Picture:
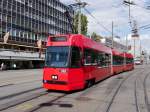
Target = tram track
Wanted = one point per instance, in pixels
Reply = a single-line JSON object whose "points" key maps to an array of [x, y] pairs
{"points": [[59, 97], [32, 97], [5, 85], [97, 84], [91, 88], [114, 93], [31, 81], [136, 96], [11, 84], [28, 95], [19, 93], [16, 102], [145, 92], [108, 107], [146, 100], [50, 102], [40, 106], [111, 99]]}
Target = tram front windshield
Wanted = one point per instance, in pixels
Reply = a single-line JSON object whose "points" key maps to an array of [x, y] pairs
{"points": [[57, 56]]}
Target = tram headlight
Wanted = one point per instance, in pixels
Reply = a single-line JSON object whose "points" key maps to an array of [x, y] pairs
{"points": [[54, 77]]}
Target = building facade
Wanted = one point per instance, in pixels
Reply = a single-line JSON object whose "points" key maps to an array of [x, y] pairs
{"points": [[116, 45], [24, 22], [30, 20]]}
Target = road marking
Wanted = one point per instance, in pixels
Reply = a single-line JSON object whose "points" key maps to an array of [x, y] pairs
{"points": [[6, 85], [24, 107]]}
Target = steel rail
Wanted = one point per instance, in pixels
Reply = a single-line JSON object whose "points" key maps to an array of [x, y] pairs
{"points": [[117, 91], [16, 102], [42, 105], [145, 92], [19, 93]]}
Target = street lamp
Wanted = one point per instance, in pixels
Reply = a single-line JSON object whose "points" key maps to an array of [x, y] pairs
{"points": [[80, 5]]}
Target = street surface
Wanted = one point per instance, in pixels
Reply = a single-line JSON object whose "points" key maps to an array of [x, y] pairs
{"points": [[21, 91]]}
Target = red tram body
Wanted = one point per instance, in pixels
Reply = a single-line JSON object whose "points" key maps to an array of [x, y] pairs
{"points": [[74, 62], [129, 62], [118, 61]]}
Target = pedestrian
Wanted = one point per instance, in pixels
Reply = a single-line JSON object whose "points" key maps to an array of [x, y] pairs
{"points": [[14, 66], [2, 66]]}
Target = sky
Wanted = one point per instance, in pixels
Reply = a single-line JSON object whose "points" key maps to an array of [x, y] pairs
{"points": [[107, 11]]}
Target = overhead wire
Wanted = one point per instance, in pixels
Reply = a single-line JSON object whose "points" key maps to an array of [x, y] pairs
{"points": [[145, 8], [144, 26], [97, 21]]}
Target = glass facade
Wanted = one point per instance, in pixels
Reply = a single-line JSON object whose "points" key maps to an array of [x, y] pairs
{"points": [[30, 20]]}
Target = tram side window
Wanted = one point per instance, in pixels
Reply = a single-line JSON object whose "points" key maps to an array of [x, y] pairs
{"points": [[120, 61], [90, 57], [101, 60], [129, 60], [132, 61], [94, 56], [75, 59], [117, 60], [107, 59], [87, 57]]}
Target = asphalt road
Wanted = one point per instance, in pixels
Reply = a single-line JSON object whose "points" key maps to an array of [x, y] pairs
{"points": [[20, 91]]}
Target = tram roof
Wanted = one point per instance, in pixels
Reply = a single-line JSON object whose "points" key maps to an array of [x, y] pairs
{"points": [[128, 55], [117, 53], [80, 41]]}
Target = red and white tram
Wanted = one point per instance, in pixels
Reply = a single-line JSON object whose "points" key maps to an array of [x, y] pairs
{"points": [[74, 62]]}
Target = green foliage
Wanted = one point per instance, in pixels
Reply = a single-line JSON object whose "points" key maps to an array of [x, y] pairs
{"points": [[96, 37], [84, 24]]}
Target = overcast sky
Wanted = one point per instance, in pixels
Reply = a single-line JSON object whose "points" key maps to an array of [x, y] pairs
{"points": [[107, 11]]}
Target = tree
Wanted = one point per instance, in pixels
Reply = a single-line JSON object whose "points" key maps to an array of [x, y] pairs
{"points": [[96, 37], [84, 24]]}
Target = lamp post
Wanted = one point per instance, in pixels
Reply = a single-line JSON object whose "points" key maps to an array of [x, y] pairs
{"points": [[80, 5], [112, 35]]}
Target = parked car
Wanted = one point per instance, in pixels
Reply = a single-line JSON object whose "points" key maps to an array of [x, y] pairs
{"points": [[137, 62]]}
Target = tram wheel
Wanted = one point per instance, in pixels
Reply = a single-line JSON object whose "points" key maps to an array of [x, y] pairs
{"points": [[89, 83]]}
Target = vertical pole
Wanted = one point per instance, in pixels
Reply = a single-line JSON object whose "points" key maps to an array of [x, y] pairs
{"points": [[79, 21], [111, 64], [12, 30], [134, 48], [129, 11], [112, 39], [112, 34], [140, 51], [125, 60], [126, 43]]}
